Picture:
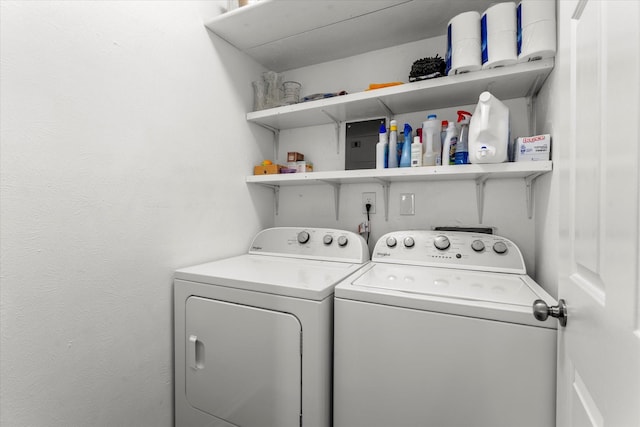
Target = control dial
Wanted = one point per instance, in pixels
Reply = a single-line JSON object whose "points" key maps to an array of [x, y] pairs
{"points": [[477, 245], [327, 239], [409, 242], [342, 240], [303, 237], [500, 247], [441, 242], [391, 242]]}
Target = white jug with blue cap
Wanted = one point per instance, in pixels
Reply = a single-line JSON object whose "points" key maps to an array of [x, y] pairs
{"points": [[489, 131]]}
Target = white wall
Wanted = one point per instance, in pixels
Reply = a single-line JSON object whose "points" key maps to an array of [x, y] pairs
{"points": [[124, 150], [437, 203]]}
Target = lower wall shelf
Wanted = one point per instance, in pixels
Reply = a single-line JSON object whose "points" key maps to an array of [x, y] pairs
{"points": [[529, 171]]}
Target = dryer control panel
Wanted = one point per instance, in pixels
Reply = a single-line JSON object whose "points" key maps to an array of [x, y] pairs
{"points": [[326, 244], [452, 249]]}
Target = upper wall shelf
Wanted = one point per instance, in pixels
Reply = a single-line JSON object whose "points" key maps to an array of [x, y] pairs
{"points": [[515, 81], [284, 35]]}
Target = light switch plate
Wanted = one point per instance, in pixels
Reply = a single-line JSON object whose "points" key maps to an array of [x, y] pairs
{"points": [[407, 204]]}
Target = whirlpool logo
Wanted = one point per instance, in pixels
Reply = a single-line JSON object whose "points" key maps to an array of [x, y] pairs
{"points": [[383, 253], [256, 248]]}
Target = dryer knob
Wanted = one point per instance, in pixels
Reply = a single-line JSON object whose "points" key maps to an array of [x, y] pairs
{"points": [[327, 239], [477, 245], [303, 237], [342, 241], [409, 242], [441, 242], [391, 242], [500, 247]]}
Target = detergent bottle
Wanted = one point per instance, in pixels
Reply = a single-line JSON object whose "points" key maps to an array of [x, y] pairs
{"points": [[449, 146], [430, 133], [382, 149], [462, 147], [489, 131]]}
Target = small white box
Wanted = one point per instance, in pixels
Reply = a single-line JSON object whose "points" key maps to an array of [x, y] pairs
{"points": [[532, 148], [301, 166]]}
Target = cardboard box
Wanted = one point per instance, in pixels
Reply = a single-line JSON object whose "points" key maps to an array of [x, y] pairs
{"points": [[532, 148], [267, 170], [293, 156], [302, 166]]}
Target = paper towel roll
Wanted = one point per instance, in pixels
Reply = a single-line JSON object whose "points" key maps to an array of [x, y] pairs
{"points": [[498, 31], [536, 29], [463, 43]]}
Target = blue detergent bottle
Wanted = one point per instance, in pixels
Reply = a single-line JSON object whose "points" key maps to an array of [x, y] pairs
{"points": [[405, 159]]}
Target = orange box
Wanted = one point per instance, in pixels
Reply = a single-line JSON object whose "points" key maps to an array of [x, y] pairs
{"points": [[267, 170]]}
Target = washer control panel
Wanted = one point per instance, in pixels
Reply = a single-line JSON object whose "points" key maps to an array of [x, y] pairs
{"points": [[452, 249], [311, 243]]}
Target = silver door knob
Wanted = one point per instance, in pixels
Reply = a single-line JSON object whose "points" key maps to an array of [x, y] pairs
{"points": [[542, 311]]}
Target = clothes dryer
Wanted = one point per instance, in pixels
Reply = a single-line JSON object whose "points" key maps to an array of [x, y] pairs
{"points": [[253, 333], [438, 330]]}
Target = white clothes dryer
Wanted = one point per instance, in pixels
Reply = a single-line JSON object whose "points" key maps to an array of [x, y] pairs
{"points": [[437, 330], [253, 333]]}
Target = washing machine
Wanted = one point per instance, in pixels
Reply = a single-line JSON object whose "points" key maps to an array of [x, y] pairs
{"points": [[437, 330], [254, 333]]}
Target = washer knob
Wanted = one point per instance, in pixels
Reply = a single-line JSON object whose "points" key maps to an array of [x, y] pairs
{"points": [[327, 239], [477, 245], [409, 242], [391, 242], [342, 241], [441, 242], [303, 237], [500, 247]]}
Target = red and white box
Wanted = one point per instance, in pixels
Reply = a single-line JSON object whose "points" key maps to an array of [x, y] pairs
{"points": [[532, 148]]}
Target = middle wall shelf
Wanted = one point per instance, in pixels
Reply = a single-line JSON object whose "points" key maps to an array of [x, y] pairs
{"points": [[479, 173]]}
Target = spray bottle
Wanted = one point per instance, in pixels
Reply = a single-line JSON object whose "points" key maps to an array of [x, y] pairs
{"points": [[462, 147], [382, 148], [449, 146], [405, 159], [392, 157]]}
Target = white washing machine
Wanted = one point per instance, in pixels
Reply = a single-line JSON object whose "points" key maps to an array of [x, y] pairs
{"points": [[254, 333], [437, 330]]}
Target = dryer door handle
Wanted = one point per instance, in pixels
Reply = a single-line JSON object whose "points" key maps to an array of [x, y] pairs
{"points": [[195, 353]]}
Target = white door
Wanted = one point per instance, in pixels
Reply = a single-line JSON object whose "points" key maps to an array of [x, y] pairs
{"points": [[243, 363], [599, 350]]}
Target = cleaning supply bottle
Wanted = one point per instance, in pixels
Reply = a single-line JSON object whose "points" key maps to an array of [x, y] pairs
{"points": [[405, 159], [489, 131], [382, 148], [462, 147], [416, 152], [392, 157], [431, 134], [449, 146], [443, 133]]}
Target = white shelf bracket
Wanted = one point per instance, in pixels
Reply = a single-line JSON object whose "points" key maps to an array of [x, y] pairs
{"points": [[386, 186], [385, 107], [276, 195], [336, 196], [529, 181], [276, 138], [337, 126], [480, 184]]}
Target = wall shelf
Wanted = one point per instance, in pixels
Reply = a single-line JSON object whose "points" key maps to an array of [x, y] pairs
{"points": [[283, 35], [516, 81], [528, 171]]}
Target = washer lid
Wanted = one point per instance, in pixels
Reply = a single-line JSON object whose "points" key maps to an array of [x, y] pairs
{"points": [[300, 278], [495, 296]]}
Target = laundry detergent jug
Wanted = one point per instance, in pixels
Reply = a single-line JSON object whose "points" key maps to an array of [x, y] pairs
{"points": [[489, 131]]}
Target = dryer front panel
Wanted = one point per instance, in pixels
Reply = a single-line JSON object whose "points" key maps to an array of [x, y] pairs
{"points": [[243, 364]]}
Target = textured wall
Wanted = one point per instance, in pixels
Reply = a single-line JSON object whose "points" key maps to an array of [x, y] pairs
{"points": [[124, 150]]}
